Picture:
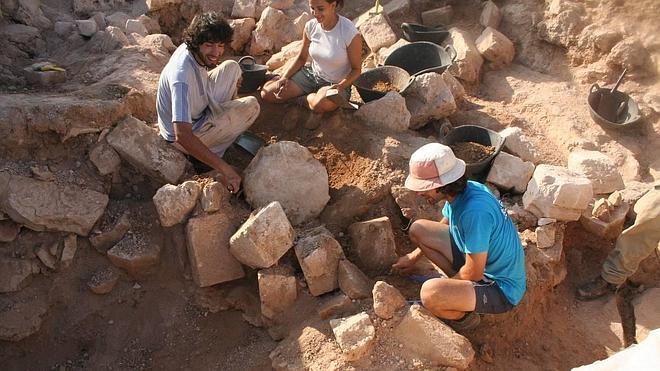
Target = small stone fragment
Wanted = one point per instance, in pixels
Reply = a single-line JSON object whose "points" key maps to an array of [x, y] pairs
{"points": [[103, 241], [135, 253], [45, 257], [339, 304], [387, 300], [355, 335], [103, 281], [69, 250], [174, 203], [352, 281]]}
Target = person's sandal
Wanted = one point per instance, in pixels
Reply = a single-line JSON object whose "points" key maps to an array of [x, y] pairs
{"points": [[594, 289], [469, 321]]}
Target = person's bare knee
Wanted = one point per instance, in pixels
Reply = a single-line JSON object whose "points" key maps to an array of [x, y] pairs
{"points": [[415, 231], [433, 294]]}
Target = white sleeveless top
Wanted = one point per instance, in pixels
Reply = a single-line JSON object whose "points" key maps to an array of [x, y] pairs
{"points": [[328, 49]]}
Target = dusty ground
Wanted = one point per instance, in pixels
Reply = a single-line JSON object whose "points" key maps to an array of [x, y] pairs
{"points": [[162, 321]]}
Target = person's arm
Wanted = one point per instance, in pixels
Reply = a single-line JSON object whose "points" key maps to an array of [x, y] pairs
{"points": [[196, 148], [298, 63], [474, 267], [355, 58]]}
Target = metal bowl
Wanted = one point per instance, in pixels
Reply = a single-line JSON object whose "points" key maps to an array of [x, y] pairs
{"points": [[396, 76], [422, 57], [476, 134], [629, 116]]}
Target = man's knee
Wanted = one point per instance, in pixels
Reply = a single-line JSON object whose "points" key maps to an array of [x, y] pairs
{"points": [[431, 293], [416, 230]]}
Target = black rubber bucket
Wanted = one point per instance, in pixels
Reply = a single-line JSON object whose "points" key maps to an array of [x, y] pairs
{"points": [[416, 32], [476, 134], [396, 76], [628, 110], [254, 75], [422, 57]]}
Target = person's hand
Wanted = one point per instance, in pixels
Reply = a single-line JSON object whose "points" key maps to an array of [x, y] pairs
{"points": [[405, 264], [230, 178], [281, 85]]}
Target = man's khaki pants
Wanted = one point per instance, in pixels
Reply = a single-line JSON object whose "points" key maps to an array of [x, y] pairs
{"points": [[635, 243], [228, 118]]}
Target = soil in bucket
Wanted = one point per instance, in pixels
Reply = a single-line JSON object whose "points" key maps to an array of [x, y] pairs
{"points": [[384, 87], [472, 152]]}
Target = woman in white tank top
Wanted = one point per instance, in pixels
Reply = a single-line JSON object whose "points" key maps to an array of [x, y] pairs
{"points": [[335, 46]]}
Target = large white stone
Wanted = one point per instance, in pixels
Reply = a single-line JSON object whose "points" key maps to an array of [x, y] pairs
{"points": [[319, 254], [519, 144], [284, 172], [377, 32], [387, 300], [273, 31], [43, 205], [174, 203], [141, 146], [427, 98], [495, 47], [423, 335], [264, 238], [557, 192], [509, 172], [280, 58], [467, 65], [244, 9], [490, 15], [388, 112], [355, 335], [242, 31], [599, 168]]}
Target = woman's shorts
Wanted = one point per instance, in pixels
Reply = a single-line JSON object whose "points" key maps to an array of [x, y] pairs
{"points": [[311, 83]]}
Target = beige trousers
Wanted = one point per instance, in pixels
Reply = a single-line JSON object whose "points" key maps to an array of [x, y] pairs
{"points": [[636, 242], [228, 118]]}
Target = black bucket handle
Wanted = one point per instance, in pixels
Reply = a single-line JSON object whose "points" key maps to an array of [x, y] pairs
{"points": [[451, 52], [248, 65]]}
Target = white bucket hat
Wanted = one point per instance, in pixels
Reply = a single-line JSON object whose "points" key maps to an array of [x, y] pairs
{"points": [[433, 165]]}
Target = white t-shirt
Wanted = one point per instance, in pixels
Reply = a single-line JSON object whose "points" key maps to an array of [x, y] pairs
{"points": [[328, 49]]}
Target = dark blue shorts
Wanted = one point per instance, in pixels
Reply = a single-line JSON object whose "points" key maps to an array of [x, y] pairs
{"points": [[490, 298]]}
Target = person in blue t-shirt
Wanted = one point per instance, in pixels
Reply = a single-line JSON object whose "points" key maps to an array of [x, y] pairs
{"points": [[475, 243]]}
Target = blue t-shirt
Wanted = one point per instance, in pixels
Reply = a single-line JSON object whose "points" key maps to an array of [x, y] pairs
{"points": [[478, 223]]}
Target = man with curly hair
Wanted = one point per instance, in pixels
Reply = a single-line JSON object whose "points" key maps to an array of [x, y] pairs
{"points": [[196, 103]]}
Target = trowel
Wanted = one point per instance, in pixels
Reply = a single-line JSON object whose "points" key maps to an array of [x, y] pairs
{"points": [[250, 143]]}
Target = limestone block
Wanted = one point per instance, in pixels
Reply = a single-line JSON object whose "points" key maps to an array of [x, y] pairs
{"points": [[518, 144], [117, 36], [141, 146], [103, 281], [135, 26], [277, 290], [273, 31], [608, 228], [437, 17], [427, 98], [174, 203], [118, 19], [563, 23], [490, 15], [135, 253], [301, 20], [8, 230], [373, 244], [318, 254], [244, 9], [151, 25], [352, 281], [388, 112], [242, 31], [630, 53], [599, 168], [29, 12], [63, 28], [509, 172], [86, 27], [556, 192], [282, 172], [392, 8], [455, 86], [280, 58], [377, 32], [208, 249], [15, 274], [214, 194], [545, 235], [387, 300], [153, 5], [425, 336], [43, 205], [339, 304], [160, 42], [467, 65], [264, 238], [355, 335], [495, 47], [105, 158]]}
